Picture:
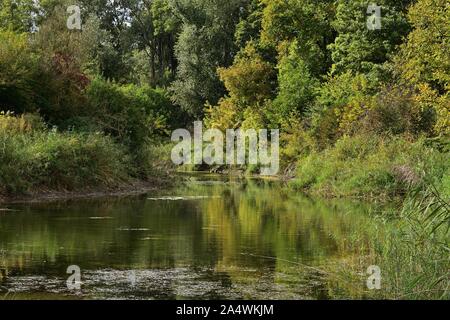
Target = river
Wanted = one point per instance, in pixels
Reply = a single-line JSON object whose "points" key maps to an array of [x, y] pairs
{"points": [[209, 238]]}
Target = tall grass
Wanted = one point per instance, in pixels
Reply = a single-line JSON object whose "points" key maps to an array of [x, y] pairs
{"points": [[415, 258], [33, 158], [411, 245], [373, 167]]}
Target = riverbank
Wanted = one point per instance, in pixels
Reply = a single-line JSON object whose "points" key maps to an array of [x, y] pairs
{"points": [[370, 168], [41, 164], [43, 196]]}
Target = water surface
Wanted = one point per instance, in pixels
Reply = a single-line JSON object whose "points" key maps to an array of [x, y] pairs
{"points": [[207, 239]]}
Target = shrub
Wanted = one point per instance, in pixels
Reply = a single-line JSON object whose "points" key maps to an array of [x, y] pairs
{"points": [[26, 123], [71, 161], [341, 102], [17, 66], [153, 160], [370, 166], [33, 159], [395, 110], [129, 113]]}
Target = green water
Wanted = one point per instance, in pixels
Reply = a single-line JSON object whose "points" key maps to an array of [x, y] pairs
{"points": [[206, 239]]}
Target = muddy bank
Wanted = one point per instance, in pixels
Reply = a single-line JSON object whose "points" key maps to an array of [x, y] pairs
{"points": [[132, 189]]}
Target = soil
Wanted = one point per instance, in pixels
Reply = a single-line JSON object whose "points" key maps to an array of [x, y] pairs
{"points": [[133, 189]]}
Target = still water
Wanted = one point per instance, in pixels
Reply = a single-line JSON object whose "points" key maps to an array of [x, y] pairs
{"points": [[209, 238]]}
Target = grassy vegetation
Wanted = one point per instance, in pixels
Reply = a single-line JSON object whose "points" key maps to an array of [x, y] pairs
{"points": [[411, 246], [373, 167], [34, 158], [410, 242], [415, 256]]}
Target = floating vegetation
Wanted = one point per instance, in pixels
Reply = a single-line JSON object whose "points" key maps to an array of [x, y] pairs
{"points": [[132, 229], [183, 198]]}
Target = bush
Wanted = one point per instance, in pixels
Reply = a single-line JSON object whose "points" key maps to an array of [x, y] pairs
{"points": [[131, 113], [395, 110], [17, 67], [26, 123], [71, 161], [33, 159], [32, 79], [370, 166], [341, 102], [153, 160]]}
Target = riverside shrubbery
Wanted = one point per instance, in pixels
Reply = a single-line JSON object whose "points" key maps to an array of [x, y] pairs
{"points": [[34, 158], [75, 129], [373, 166]]}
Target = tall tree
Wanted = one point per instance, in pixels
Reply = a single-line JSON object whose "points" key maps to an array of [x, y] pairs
{"points": [[154, 27], [424, 59], [18, 15], [205, 43], [362, 49], [305, 22]]}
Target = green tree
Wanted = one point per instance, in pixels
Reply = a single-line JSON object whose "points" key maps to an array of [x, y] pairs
{"points": [[307, 22], [297, 87], [250, 82], [154, 26], [341, 102], [205, 43], [18, 15], [18, 66], [66, 59], [250, 26], [359, 49], [424, 59]]}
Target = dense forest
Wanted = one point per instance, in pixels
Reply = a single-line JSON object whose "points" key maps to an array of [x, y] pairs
{"points": [[363, 112]]}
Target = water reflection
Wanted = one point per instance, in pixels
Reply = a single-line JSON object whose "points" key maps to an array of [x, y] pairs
{"points": [[206, 239]]}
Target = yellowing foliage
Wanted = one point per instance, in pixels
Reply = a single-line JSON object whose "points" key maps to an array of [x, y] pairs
{"points": [[248, 79], [223, 116]]}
